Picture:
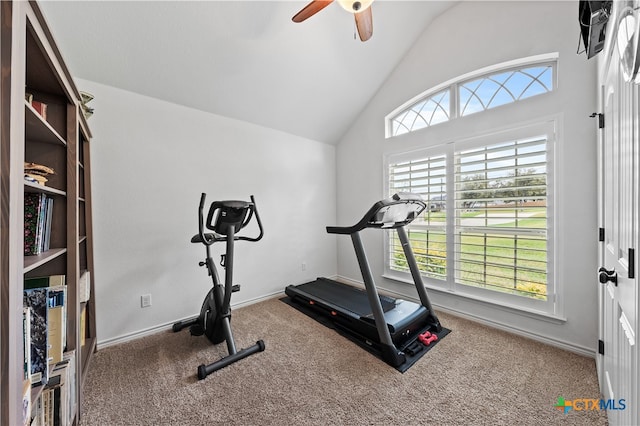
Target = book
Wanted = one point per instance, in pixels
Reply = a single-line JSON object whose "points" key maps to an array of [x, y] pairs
{"points": [[37, 173], [56, 322], [26, 342], [70, 357], [26, 377], [58, 383], [45, 281], [55, 292], [34, 178], [83, 324], [31, 216], [47, 225], [37, 412], [47, 406], [57, 280], [40, 107], [84, 287], [36, 300], [38, 214], [26, 402], [42, 214]]}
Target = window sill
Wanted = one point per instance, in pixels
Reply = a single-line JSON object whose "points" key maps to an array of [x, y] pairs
{"points": [[518, 310]]}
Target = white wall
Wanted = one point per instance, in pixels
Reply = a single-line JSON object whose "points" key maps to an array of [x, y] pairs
{"points": [[470, 36], [150, 161]]}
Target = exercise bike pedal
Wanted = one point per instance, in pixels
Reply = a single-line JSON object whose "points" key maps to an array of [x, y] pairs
{"points": [[235, 288], [196, 330]]}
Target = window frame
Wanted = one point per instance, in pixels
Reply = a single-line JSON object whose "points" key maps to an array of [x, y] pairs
{"points": [[454, 84], [544, 127], [426, 99]]}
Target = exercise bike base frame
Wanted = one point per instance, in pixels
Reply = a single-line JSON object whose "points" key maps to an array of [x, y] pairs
{"points": [[205, 370]]}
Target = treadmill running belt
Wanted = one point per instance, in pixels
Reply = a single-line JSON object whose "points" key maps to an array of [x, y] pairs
{"points": [[345, 296]]}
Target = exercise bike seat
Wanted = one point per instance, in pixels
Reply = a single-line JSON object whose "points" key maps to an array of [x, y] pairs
{"points": [[211, 236]]}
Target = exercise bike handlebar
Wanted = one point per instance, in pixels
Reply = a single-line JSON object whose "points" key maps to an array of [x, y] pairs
{"points": [[204, 239], [253, 211]]}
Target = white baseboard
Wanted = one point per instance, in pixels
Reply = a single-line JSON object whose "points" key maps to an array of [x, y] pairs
{"points": [[494, 324], [167, 326], [580, 350]]}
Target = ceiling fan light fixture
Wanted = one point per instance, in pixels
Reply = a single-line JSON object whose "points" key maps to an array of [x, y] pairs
{"points": [[355, 6]]}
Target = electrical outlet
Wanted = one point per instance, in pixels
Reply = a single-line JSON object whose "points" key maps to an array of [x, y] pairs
{"points": [[145, 300], [304, 266]]}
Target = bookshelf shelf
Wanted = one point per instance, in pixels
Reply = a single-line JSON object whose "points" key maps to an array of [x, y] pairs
{"points": [[34, 187], [39, 129], [33, 262], [41, 123]]}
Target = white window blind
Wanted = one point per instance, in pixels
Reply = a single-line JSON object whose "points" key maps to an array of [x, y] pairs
{"points": [[427, 177], [485, 231], [501, 217]]}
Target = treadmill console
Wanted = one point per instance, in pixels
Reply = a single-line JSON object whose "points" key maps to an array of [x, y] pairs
{"points": [[394, 212], [395, 215], [399, 210]]}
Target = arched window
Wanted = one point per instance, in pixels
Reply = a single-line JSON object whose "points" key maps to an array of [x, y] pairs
{"points": [[424, 113], [503, 88], [478, 91], [487, 231]]}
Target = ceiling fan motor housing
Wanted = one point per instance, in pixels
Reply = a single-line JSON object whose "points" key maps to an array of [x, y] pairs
{"points": [[355, 6], [361, 10]]}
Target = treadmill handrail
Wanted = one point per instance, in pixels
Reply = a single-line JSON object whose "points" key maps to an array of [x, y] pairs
{"points": [[368, 221]]}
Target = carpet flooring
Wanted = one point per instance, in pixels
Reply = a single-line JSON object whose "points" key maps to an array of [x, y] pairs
{"points": [[310, 375]]}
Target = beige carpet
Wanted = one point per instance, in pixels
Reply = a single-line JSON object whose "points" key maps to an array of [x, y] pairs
{"points": [[310, 375]]}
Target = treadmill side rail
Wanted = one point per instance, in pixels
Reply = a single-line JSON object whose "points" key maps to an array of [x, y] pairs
{"points": [[415, 274], [372, 293]]}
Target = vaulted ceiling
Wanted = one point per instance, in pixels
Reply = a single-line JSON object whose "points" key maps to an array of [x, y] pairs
{"points": [[242, 59]]}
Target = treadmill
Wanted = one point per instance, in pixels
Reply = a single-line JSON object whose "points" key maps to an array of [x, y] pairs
{"points": [[386, 326]]}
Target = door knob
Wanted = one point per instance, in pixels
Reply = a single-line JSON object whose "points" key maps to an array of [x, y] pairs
{"points": [[605, 275]]}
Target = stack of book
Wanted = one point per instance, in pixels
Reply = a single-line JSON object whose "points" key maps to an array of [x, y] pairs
{"points": [[40, 107], [55, 405], [37, 173], [38, 211], [47, 365]]}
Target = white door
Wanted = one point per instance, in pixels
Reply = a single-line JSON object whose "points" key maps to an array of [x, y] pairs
{"points": [[618, 165]]}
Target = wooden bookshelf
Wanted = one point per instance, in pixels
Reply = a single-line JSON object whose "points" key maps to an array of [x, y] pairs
{"points": [[60, 139]]}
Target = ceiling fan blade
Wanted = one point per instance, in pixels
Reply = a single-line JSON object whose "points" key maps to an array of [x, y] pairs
{"points": [[311, 9], [364, 23]]}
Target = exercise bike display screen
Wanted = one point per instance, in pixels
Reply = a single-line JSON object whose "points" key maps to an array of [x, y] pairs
{"points": [[225, 215]]}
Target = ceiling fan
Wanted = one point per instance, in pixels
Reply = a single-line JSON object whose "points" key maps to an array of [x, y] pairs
{"points": [[361, 11]]}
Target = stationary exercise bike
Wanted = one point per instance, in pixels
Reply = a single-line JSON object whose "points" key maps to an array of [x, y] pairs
{"points": [[225, 219]]}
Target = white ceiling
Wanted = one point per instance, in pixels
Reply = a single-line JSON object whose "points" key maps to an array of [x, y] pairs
{"points": [[241, 59]]}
